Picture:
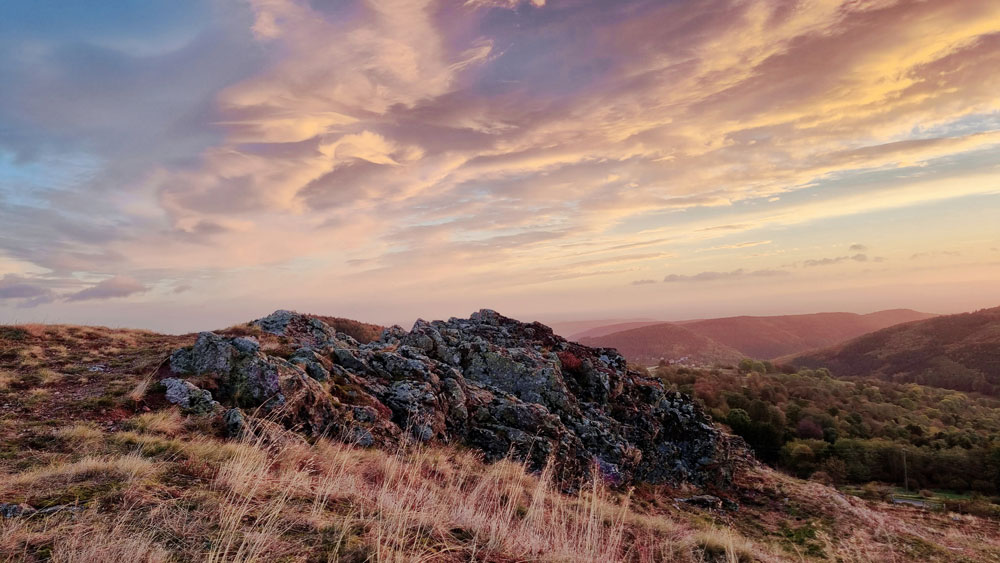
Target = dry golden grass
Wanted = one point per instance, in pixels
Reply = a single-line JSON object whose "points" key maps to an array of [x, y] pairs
{"points": [[138, 393], [30, 356], [723, 543], [6, 378], [167, 422], [49, 377], [185, 496], [130, 466], [37, 397], [81, 435]]}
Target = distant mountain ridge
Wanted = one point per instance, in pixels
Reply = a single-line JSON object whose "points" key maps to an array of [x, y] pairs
{"points": [[960, 352], [719, 340], [605, 330], [666, 341], [771, 337]]}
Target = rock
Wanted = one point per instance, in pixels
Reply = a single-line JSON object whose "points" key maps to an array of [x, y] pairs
{"points": [[704, 501], [303, 329], [277, 322], [489, 382], [245, 376], [234, 421], [315, 365], [10, 510], [58, 508], [189, 397]]}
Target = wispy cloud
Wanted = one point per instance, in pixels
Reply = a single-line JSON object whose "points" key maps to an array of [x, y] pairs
{"points": [[720, 276], [837, 260], [118, 286], [747, 244], [936, 254]]}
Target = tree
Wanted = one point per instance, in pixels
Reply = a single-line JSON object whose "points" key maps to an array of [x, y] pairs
{"points": [[738, 420], [808, 429]]}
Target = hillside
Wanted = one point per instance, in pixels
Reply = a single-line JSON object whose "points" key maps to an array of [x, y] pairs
{"points": [[753, 337], [605, 330], [954, 352], [854, 431], [666, 341], [571, 330], [770, 337], [102, 461]]}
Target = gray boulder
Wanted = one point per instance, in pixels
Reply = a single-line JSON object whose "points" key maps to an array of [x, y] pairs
{"points": [[188, 396]]}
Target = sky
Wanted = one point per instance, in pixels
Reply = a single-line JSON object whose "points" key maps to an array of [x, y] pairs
{"points": [[190, 165]]}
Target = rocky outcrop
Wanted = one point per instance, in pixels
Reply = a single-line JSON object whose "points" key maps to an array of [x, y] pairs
{"points": [[489, 382]]}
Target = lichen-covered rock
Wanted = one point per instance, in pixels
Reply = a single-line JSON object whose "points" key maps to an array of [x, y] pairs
{"points": [[315, 365], [188, 396], [303, 329], [234, 422], [504, 387], [243, 374], [11, 510]]}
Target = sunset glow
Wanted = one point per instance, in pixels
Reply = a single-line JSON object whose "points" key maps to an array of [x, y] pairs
{"points": [[178, 165]]}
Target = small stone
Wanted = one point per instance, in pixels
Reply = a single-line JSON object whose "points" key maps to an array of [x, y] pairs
{"points": [[234, 421]]}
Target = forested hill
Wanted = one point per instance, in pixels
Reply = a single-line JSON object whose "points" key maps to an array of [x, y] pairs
{"points": [[959, 352]]}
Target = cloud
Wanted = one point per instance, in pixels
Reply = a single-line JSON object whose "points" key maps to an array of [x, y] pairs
{"points": [[182, 288], [118, 286], [717, 276], [643, 282], [936, 254], [837, 260], [747, 244], [12, 288], [458, 145], [733, 227], [25, 292]]}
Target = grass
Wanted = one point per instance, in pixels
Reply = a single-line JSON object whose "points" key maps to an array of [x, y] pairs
{"points": [[6, 378], [168, 493], [167, 422]]}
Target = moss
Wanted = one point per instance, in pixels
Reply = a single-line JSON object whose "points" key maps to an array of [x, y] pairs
{"points": [[149, 446], [13, 333], [804, 536], [45, 441], [94, 403], [919, 549], [27, 381], [344, 543], [78, 493]]}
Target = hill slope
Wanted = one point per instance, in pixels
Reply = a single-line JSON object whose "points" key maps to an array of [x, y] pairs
{"points": [[605, 330], [770, 337], [959, 352], [668, 341], [573, 329]]}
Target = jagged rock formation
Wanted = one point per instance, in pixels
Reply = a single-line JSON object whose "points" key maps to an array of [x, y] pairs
{"points": [[489, 382]]}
